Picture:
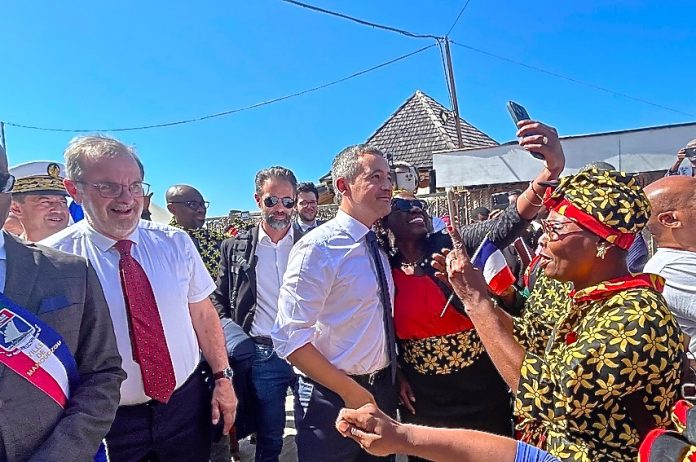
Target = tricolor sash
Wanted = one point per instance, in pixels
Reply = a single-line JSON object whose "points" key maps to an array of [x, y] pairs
{"points": [[38, 354]]}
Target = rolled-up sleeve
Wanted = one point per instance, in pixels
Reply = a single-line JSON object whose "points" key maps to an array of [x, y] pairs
{"points": [[306, 286]]}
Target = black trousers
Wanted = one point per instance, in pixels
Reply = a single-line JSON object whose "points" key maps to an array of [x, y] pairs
{"points": [[154, 432], [316, 410]]}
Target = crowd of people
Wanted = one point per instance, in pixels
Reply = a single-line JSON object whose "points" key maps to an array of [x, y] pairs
{"points": [[127, 340]]}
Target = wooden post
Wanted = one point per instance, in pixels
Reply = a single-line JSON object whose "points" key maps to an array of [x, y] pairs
{"points": [[455, 105]]}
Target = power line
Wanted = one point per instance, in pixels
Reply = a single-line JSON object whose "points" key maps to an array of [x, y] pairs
{"points": [[571, 79], [362, 21], [457, 20], [225, 113]]}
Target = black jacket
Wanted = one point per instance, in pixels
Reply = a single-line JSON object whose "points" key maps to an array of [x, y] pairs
{"points": [[235, 295]]}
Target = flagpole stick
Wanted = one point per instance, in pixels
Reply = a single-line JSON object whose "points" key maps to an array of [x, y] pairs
{"points": [[449, 300]]}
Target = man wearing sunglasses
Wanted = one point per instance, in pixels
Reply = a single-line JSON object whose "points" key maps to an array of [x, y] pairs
{"points": [[334, 320], [251, 273], [188, 208], [157, 289], [54, 322]]}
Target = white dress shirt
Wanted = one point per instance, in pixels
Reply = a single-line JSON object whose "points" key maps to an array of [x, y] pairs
{"points": [[330, 298], [678, 267], [177, 276], [306, 226], [272, 260]]}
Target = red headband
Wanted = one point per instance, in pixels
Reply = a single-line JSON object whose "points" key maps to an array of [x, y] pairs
{"points": [[590, 223]]}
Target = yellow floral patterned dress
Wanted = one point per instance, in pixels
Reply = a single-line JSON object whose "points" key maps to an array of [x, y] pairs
{"points": [[545, 306], [616, 339]]}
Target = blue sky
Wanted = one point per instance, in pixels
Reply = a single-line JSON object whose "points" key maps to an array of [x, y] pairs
{"points": [[86, 64]]}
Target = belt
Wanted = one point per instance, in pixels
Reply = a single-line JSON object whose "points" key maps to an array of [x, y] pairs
{"points": [[371, 378], [263, 341]]}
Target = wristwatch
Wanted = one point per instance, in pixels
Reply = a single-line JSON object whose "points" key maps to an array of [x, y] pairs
{"points": [[224, 374]]}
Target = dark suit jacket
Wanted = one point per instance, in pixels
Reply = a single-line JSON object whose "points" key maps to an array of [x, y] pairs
{"points": [[235, 295], [32, 425]]}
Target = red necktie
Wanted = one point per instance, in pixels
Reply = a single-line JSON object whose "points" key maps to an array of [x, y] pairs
{"points": [[147, 334]]}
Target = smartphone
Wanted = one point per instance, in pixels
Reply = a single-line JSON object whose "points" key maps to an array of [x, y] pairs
{"points": [[518, 112], [500, 200], [691, 153]]}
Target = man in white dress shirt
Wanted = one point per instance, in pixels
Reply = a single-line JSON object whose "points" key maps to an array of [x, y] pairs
{"points": [[334, 319], [157, 290], [247, 293]]}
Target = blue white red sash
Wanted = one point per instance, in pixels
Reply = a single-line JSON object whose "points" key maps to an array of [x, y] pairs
{"points": [[35, 351]]}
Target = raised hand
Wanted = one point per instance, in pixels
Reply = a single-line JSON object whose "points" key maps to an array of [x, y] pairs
{"points": [[538, 137]]}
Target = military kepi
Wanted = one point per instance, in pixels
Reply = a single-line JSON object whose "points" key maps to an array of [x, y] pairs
{"points": [[39, 177]]}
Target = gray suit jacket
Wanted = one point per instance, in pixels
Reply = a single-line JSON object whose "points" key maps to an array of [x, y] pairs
{"points": [[32, 425]]}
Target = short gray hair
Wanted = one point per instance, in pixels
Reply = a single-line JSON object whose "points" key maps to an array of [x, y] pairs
{"points": [[347, 165], [281, 173], [95, 147]]}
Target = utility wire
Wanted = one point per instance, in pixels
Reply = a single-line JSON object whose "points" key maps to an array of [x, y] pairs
{"points": [[457, 20], [571, 79], [362, 21], [225, 113]]}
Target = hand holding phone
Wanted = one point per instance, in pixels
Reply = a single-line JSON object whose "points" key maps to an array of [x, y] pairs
{"points": [[518, 113], [690, 153]]}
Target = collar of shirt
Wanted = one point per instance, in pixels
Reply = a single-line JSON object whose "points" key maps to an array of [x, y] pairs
{"points": [[355, 229], [105, 243], [265, 239], [305, 226]]}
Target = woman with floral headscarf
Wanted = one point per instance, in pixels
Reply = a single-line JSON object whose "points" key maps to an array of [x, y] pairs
{"points": [[611, 369]]}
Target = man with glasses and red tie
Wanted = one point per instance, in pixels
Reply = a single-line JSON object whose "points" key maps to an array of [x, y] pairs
{"points": [[251, 273], [157, 290], [60, 370]]}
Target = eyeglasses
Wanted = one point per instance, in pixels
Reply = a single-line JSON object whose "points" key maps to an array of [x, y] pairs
{"points": [[7, 182], [193, 205], [271, 201], [113, 190], [405, 205], [553, 228]]}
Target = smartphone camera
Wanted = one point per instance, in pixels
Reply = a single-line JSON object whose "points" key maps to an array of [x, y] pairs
{"points": [[500, 200], [691, 154]]}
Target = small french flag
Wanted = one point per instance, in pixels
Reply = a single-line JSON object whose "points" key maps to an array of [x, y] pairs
{"points": [[490, 260]]}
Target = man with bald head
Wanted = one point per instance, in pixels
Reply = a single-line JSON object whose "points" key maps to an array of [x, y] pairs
{"points": [[673, 225], [188, 207]]}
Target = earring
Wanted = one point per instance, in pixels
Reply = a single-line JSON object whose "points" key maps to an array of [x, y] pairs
{"points": [[602, 250]]}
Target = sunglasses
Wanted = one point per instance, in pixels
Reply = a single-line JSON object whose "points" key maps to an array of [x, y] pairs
{"points": [[272, 201], [405, 205], [7, 182], [194, 205]]}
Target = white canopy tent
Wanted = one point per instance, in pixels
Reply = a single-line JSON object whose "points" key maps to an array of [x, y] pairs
{"points": [[640, 150]]}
